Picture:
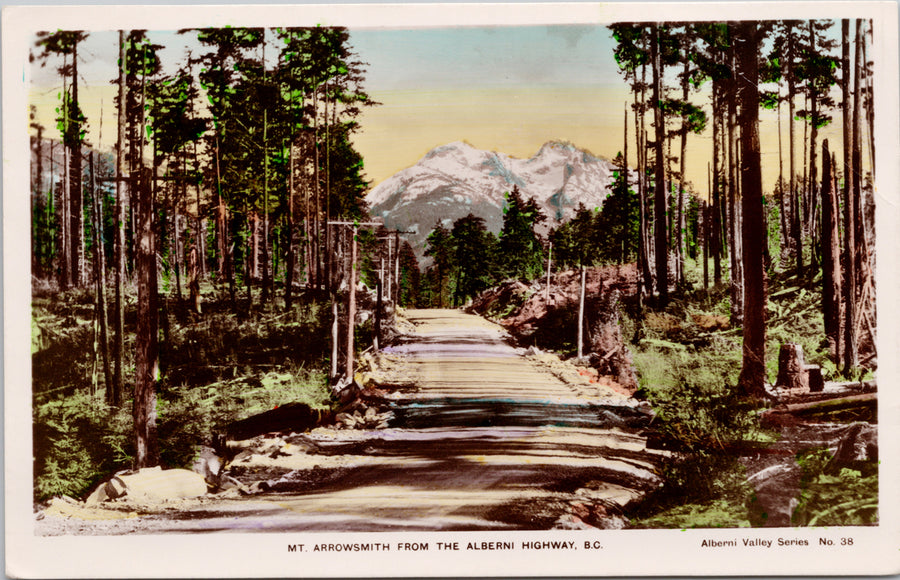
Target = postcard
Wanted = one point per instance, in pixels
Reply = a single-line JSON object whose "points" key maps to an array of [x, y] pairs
{"points": [[514, 289]]}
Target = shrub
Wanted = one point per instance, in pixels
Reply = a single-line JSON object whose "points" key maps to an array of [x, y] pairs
{"points": [[845, 498], [77, 441]]}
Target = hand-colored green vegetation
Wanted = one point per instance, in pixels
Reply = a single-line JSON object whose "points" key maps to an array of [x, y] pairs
{"points": [[215, 371]]}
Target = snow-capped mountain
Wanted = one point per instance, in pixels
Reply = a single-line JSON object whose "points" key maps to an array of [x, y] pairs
{"points": [[455, 179]]}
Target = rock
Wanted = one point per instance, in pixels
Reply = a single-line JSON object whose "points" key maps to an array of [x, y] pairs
{"points": [[209, 465], [612, 357], [777, 490], [115, 488], [98, 496], [858, 448], [106, 491], [228, 483], [571, 522], [256, 487], [154, 483]]}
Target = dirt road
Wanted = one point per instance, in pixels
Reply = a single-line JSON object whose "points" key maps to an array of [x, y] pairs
{"points": [[484, 437]]}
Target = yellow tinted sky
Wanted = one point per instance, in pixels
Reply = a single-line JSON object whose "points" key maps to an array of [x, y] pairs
{"points": [[517, 121]]}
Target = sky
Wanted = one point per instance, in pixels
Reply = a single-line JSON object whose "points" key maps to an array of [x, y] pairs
{"points": [[500, 88]]}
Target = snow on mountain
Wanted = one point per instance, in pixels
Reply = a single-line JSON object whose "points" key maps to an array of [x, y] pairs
{"points": [[455, 179]]}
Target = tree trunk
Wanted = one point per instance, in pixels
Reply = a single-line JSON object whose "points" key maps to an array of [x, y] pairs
{"points": [[114, 395], [250, 257], [870, 107], [379, 305], [225, 261], [396, 298], [813, 168], [581, 299], [716, 208], [146, 347], [221, 235], [65, 223], [267, 278], [753, 369], [734, 204], [317, 249], [329, 255], [848, 314], [831, 264], [795, 203], [659, 208], [781, 196], [351, 309], [704, 209], [289, 272], [853, 231], [176, 242], [76, 194], [37, 227], [100, 280], [680, 241], [645, 280]]}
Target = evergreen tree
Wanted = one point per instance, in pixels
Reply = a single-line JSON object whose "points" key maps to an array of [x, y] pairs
{"points": [[71, 124], [440, 248], [618, 224], [474, 256], [521, 251]]}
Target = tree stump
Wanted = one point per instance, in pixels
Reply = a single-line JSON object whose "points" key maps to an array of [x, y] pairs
{"points": [[814, 378], [791, 372]]}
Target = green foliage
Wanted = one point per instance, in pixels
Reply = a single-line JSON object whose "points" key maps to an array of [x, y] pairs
{"points": [[71, 121], [845, 498], [77, 441], [189, 415], [718, 513], [574, 242], [214, 371], [520, 250], [475, 251], [170, 105], [440, 248], [630, 53], [617, 225]]}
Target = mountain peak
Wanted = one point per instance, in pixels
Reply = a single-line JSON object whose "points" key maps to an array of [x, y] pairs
{"points": [[456, 179]]}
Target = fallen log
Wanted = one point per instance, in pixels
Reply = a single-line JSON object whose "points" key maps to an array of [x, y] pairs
{"points": [[293, 416], [866, 399]]}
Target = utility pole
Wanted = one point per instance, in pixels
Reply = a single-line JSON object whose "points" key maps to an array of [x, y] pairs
{"points": [[390, 241], [396, 299], [549, 264], [581, 315], [351, 308]]}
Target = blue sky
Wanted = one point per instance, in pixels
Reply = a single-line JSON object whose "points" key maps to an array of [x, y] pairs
{"points": [[469, 57]]}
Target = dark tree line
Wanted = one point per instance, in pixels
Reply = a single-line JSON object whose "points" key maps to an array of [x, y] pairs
{"points": [[227, 171], [823, 218]]}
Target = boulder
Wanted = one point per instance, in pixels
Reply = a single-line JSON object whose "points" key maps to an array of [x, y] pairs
{"points": [[149, 484], [154, 483], [858, 449], [777, 490], [209, 465]]}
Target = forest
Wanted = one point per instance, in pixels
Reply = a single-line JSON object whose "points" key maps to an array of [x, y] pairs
{"points": [[210, 264]]}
